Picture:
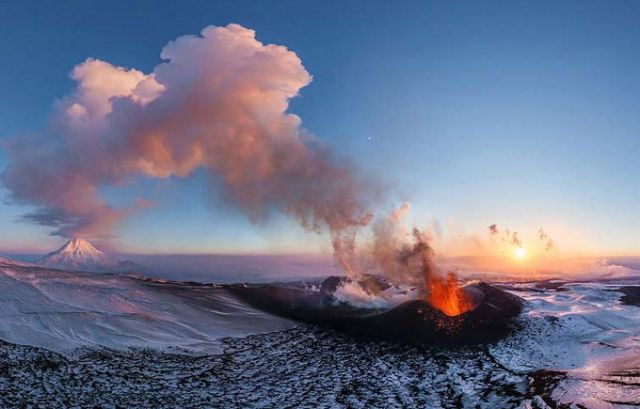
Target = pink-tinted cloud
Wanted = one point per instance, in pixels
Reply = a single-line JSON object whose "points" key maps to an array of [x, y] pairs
{"points": [[219, 101]]}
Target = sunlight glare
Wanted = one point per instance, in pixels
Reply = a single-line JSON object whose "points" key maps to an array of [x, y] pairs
{"points": [[520, 253]]}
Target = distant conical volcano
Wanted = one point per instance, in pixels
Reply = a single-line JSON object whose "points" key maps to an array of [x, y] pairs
{"points": [[79, 254]]}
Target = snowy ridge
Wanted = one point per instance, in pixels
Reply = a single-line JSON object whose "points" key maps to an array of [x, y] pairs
{"points": [[5, 261], [63, 311]]}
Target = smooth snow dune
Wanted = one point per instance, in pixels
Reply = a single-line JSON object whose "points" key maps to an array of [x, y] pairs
{"points": [[63, 311]]}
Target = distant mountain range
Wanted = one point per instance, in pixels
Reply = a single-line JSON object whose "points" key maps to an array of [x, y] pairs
{"points": [[79, 255]]}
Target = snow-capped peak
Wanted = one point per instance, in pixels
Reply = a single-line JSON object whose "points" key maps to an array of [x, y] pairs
{"points": [[80, 248], [78, 254]]}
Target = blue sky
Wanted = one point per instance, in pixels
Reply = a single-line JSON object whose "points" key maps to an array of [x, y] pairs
{"points": [[517, 113]]}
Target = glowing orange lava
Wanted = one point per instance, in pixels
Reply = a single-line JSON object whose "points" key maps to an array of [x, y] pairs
{"points": [[446, 295]]}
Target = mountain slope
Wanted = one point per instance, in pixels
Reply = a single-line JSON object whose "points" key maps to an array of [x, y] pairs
{"points": [[79, 254]]}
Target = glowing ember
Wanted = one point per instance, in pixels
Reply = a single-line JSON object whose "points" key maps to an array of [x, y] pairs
{"points": [[446, 295]]}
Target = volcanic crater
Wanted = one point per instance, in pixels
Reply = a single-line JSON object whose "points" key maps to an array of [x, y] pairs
{"points": [[488, 317]]}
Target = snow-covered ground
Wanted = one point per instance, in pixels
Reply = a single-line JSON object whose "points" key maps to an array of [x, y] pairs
{"points": [[106, 339], [63, 310], [581, 329]]}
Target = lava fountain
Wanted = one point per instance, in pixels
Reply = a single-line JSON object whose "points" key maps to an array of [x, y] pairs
{"points": [[446, 295]]}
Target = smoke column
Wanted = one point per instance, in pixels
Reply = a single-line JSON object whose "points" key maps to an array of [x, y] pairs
{"points": [[218, 101], [543, 236], [402, 254], [512, 237]]}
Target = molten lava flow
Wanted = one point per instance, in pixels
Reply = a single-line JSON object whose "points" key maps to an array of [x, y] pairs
{"points": [[446, 295]]}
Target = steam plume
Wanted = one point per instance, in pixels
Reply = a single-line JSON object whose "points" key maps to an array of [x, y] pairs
{"points": [[543, 236], [512, 237], [403, 255], [515, 239], [218, 101]]}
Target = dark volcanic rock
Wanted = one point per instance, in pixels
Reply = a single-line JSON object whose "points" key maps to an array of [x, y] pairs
{"points": [[302, 367], [631, 295], [419, 323], [415, 322]]}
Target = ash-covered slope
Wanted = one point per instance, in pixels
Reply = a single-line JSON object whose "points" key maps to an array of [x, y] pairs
{"points": [[79, 255]]}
